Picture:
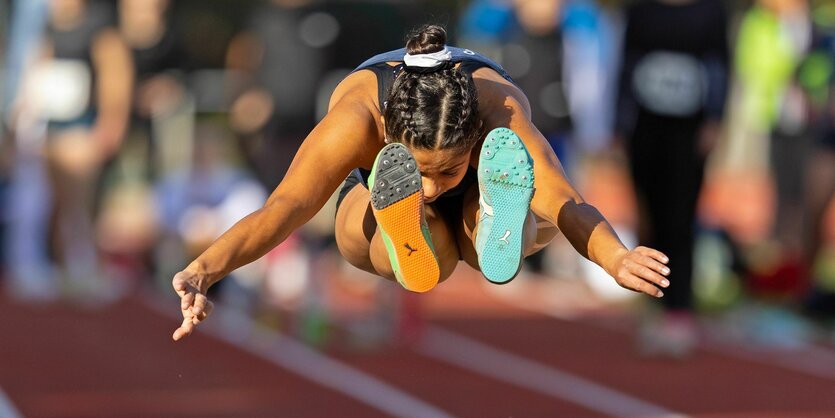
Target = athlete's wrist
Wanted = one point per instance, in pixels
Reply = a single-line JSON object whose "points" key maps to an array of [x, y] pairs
{"points": [[610, 260], [201, 274]]}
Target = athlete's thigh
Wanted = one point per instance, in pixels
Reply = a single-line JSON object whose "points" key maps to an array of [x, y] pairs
{"points": [[354, 227]]}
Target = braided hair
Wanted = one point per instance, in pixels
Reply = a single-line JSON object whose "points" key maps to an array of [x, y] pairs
{"points": [[436, 109]]}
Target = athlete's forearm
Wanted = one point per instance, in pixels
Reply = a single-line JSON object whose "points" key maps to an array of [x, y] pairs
{"points": [[248, 240], [590, 234]]}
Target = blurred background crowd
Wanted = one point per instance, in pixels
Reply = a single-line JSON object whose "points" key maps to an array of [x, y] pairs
{"points": [[135, 131]]}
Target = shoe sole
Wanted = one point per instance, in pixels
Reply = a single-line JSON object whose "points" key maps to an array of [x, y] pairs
{"points": [[505, 174], [397, 202]]}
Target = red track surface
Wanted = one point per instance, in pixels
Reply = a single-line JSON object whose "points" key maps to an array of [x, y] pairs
{"points": [[61, 361]]}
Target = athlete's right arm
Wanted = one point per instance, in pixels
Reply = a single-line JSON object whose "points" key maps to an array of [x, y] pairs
{"points": [[336, 145]]}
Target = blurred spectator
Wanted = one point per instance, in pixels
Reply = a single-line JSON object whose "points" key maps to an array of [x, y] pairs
{"points": [[277, 64], [28, 270], [158, 59], [672, 95], [773, 119], [84, 80], [533, 56], [817, 75], [591, 36], [771, 40], [483, 26], [279, 60], [155, 46], [126, 225]]}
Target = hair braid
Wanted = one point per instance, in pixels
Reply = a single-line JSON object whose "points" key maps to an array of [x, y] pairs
{"points": [[433, 110]]}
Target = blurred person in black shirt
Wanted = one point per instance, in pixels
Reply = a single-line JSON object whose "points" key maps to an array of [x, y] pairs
{"points": [[279, 60], [672, 95], [84, 82], [157, 53], [126, 223], [817, 75]]}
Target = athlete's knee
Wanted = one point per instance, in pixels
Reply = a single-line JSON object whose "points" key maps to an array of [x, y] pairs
{"points": [[352, 241], [443, 240], [447, 265], [538, 234], [353, 251]]}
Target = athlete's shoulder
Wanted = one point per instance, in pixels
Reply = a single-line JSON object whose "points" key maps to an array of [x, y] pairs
{"points": [[358, 87]]}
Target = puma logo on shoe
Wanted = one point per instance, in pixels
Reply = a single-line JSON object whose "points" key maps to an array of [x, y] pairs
{"points": [[504, 238], [486, 208], [411, 250]]}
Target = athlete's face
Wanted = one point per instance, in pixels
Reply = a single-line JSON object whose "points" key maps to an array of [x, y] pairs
{"points": [[440, 170]]}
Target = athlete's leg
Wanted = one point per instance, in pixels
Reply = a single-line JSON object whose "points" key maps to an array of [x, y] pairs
{"points": [[359, 240]]}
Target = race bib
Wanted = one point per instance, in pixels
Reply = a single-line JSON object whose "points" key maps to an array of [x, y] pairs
{"points": [[670, 84]]}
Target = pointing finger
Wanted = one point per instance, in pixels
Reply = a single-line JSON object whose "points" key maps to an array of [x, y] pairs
{"points": [[185, 328]]}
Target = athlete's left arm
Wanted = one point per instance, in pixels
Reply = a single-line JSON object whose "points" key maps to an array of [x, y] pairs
{"points": [[557, 201]]}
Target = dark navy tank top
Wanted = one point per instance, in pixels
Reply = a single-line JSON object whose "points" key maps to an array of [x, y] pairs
{"points": [[470, 61]]}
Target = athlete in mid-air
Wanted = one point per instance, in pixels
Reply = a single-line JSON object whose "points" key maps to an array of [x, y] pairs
{"points": [[442, 164]]}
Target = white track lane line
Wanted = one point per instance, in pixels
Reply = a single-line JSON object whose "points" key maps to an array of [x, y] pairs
{"points": [[238, 331], [7, 409], [469, 354], [809, 359]]}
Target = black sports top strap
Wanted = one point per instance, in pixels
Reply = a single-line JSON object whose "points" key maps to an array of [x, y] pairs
{"points": [[385, 79]]}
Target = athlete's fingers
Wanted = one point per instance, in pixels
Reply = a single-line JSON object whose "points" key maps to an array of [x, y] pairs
{"points": [[656, 266], [180, 284], [655, 254], [205, 314], [187, 300], [199, 305], [180, 288], [185, 328], [638, 284], [645, 272]]}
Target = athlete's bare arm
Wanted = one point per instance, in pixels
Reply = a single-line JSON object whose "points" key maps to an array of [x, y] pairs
{"points": [[346, 138], [502, 104]]}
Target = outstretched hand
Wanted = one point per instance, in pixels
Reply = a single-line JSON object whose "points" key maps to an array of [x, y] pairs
{"points": [[642, 270], [194, 305]]}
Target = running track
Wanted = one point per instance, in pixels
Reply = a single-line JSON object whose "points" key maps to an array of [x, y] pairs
{"points": [[481, 355]]}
